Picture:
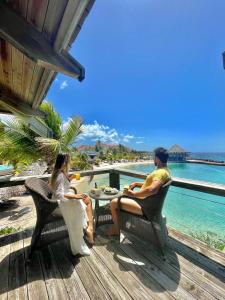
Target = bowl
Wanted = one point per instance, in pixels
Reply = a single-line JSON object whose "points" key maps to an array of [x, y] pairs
{"points": [[96, 192]]}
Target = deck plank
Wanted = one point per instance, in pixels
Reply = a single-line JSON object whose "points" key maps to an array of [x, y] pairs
{"points": [[198, 246], [4, 267], [203, 278], [152, 270], [53, 280], [72, 281], [206, 263], [106, 277], [91, 283], [136, 282], [17, 274], [35, 280], [173, 269]]}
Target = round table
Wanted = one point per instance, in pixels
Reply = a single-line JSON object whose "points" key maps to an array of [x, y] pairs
{"points": [[102, 212]]}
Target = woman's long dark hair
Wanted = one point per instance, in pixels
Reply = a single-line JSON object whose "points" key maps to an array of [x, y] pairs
{"points": [[62, 158]]}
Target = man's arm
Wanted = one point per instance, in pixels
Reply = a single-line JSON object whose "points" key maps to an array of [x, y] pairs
{"points": [[148, 191], [135, 184]]}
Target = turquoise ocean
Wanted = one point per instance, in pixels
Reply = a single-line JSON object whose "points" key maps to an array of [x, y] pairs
{"points": [[189, 211]]}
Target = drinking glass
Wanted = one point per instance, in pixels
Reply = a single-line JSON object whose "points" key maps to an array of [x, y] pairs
{"points": [[77, 176]]}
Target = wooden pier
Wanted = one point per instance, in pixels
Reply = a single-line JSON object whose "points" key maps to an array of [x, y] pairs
{"points": [[205, 162]]}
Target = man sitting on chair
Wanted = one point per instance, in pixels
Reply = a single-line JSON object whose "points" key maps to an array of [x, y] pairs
{"points": [[151, 186]]}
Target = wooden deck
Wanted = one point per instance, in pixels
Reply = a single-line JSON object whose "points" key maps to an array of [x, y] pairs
{"points": [[132, 270]]}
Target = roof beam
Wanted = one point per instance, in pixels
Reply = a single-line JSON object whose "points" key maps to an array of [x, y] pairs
{"points": [[32, 43], [10, 103]]}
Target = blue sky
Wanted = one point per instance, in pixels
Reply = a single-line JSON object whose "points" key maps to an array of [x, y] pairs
{"points": [[154, 74]]}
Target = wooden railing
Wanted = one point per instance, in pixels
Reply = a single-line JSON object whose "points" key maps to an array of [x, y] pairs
{"points": [[114, 180]]}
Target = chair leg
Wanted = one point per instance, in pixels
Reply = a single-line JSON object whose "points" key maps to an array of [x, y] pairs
{"points": [[158, 240], [35, 237]]}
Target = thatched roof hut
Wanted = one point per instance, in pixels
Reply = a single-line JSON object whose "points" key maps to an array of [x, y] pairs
{"points": [[177, 154]]}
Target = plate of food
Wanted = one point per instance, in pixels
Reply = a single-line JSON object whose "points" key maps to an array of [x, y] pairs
{"points": [[110, 191]]}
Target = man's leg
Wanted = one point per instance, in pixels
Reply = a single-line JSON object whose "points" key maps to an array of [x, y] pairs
{"points": [[127, 205]]}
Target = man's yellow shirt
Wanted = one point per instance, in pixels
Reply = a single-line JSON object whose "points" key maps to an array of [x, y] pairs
{"points": [[161, 174]]}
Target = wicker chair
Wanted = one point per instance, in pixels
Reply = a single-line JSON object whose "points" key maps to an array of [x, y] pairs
{"points": [[156, 233], [50, 225]]}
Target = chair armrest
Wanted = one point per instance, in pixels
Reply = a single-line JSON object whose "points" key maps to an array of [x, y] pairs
{"points": [[74, 189]]}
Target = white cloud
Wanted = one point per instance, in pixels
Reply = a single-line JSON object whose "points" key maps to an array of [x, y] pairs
{"points": [[66, 124], [140, 142], [127, 138], [100, 132], [64, 85], [95, 131]]}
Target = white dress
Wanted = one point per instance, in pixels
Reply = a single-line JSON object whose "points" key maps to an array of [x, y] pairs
{"points": [[74, 214]]}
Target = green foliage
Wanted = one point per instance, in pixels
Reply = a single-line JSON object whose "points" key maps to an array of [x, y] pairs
{"points": [[53, 119], [20, 146], [210, 239], [1, 128], [9, 230], [17, 143], [98, 146], [80, 161]]}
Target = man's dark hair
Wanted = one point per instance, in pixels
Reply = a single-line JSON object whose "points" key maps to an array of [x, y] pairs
{"points": [[162, 154]]}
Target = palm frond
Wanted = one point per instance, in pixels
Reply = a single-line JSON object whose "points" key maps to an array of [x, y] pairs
{"points": [[71, 133], [53, 119], [18, 134], [48, 147]]}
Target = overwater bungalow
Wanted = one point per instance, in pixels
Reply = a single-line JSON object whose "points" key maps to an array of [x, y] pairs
{"points": [[177, 154], [35, 39]]}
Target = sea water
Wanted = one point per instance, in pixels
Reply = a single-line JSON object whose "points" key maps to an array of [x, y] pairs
{"points": [[189, 211], [4, 167]]}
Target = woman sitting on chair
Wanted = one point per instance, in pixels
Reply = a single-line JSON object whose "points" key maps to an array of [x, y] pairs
{"points": [[75, 208]]}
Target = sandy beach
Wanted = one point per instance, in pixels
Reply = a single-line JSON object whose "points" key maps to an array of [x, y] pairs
{"points": [[122, 164]]}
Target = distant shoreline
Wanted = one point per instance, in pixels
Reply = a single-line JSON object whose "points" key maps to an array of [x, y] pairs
{"points": [[205, 162], [122, 164]]}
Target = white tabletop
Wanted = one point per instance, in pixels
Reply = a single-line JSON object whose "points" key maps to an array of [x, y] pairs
{"points": [[104, 196]]}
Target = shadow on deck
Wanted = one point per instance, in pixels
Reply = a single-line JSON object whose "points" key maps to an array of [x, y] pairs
{"points": [[132, 270]]}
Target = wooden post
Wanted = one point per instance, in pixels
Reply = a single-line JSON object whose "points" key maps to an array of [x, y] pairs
{"points": [[114, 179]]}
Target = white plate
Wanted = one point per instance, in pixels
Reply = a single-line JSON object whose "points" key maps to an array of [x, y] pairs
{"points": [[112, 192]]}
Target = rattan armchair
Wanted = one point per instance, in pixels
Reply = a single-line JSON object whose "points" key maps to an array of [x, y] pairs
{"points": [[49, 226], [150, 227]]}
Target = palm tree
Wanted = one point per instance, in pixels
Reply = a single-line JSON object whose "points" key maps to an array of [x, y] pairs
{"points": [[19, 143], [62, 139]]}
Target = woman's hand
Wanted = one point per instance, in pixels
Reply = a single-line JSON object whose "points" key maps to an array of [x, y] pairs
{"points": [[71, 177], [85, 198]]}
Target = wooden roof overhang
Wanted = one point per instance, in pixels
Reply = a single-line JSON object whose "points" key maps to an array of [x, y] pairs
{"points": [[35, 37]]}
